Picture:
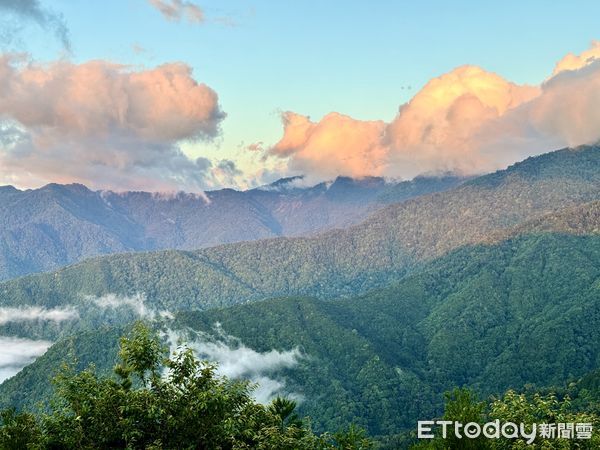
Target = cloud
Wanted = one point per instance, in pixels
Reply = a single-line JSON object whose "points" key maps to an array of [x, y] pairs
{"points": [[16, 353], [431, 133], [163, 104], [176, 10], [256, 146], [35, 313], [438, 129], [226, 173], [135, 303], [236, 361], [33, 11], [468, 121], [336, 141], [104, 125], [183, 196], [574, 62], [564, 114]]}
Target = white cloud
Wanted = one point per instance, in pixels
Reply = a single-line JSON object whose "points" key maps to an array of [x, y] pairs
{"points": [[16, 353], [135, 303], [237, 361], [33, 313]]}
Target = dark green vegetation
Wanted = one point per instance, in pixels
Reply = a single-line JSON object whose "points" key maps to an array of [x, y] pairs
{"points": [[339, 263], [56, 225], [491, 285], [529, 408], [522, 312], [141, 408]]}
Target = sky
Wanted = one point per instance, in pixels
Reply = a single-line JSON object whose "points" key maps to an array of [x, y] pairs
{"points": [[167, 95]]}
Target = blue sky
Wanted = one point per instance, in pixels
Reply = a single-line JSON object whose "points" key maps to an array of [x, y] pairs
{"points": [[361, 59], [314, 57]]}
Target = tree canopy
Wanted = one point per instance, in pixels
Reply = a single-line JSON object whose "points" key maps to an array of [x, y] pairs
{"points": [[161, 401]]}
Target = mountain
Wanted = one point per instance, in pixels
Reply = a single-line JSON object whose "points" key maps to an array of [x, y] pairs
{"points": [[580, 219], [524, 311], [46, 228], [491, 284], [388, 245]]}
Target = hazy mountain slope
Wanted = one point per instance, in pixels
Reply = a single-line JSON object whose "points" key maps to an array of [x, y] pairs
{"points": [[580, 219], [526, 310], [56, 225], [337, 263], [344, 202]]}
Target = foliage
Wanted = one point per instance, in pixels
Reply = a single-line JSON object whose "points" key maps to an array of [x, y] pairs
{"points": [[520, 310], [372, 254], [518, 408], [42, 229], [160, 402], [494, 317]]}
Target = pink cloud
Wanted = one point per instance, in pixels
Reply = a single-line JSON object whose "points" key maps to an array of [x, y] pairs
{"points": [[103, 124], [467, 121], [176, 10], [430, 133], [93, 98], [574, 62], [336, 142]]}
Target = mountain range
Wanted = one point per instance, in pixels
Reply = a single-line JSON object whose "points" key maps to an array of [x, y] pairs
{"points": [[385, 247], [522, 312], [56, 225], [490, 283]]}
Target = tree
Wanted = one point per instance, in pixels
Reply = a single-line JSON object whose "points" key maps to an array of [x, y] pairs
{"points": [[528, 409], [161, 402]]}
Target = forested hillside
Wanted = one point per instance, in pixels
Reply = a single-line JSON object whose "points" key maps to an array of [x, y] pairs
{"points": [[161, 400], [45, 228], [492, 317], [491, 285], [384, 248]]}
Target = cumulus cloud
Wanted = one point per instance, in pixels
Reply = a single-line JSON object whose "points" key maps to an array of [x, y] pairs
{"points": [[431, 133], [335, 141], [467, 121], [33, 11], [235, 360], [437, 130], [35, 313], [104, 124], [135, 303], [16, 353], [574, 62], [564, 114], [176, 10]]}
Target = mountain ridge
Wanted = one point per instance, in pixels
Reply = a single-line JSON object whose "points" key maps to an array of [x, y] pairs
{"points": [[55, 225], [382, 249], [483, 316]]}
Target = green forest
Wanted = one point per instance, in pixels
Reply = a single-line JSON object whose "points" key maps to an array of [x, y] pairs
{"points": [[480, 302], [490, 317]]}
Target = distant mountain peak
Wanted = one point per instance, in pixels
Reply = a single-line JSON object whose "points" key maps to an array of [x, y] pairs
{"points": [[368, 181], [71, 187], [283, 184], [287, 180], [8, 188]]}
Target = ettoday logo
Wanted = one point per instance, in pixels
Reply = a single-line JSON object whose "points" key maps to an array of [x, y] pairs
{"points": [[427, 429]]}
